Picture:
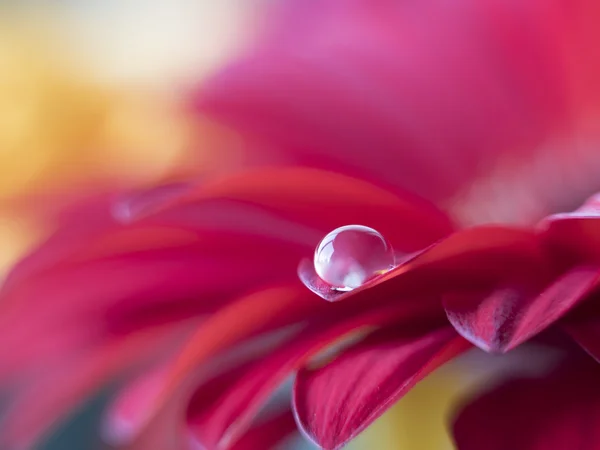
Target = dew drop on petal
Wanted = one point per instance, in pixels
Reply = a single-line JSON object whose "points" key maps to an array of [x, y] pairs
{"points": [[350, 256]]}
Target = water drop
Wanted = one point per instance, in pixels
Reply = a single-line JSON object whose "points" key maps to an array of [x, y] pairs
{"points": [[350, 256]]}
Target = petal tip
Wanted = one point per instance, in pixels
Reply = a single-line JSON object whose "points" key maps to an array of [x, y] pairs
{"points": [[310, 279]]}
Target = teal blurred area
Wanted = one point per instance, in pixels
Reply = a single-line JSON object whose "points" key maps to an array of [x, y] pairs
{"points": [[80, 432]]}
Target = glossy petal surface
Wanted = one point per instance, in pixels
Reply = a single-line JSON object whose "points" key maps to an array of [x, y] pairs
{"points": [[336, 402], [499, 320]]}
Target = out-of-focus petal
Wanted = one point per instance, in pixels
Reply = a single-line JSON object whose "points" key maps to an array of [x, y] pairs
{"points": [[158, 273], [41, 400], [364, 88], [468, 103], [269, 434], [146, 288], [500, 320], [123, 417], [336, 402], [89, 230], [242, 319], [586, 332], [325, 200], [559, 411]]}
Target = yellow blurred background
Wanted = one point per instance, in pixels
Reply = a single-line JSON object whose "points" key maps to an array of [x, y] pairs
{"points": [[91, 92]]}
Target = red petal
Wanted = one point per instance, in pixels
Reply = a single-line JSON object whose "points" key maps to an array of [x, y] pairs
{"points": [[501, 320], [326, 200], [473, 257], [335, 403], [158, 287], [231, 413], [157, 273], [80, 222], [128, 414], [560, 411], [248, 316], [576, 233]]}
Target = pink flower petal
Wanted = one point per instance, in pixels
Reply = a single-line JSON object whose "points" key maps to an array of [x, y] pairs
{"points": [[500, 320], [42, 400], [472, 257], [325, 200], [336, 402], [474, 105], [158, 287], [575, 234], [224, 419]]}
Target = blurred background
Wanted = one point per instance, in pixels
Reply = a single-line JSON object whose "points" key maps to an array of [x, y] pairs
{"points": [[93, 91]]}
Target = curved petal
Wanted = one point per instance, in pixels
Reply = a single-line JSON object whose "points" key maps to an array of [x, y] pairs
{"points": [[128, 415], [500, 320], [157, 287], [324, 200], [336, 402], [230, 414], [575, 234], [78, 222], [158, 273], [479, 256], [248, 316], [267, 310], [556, 412]]}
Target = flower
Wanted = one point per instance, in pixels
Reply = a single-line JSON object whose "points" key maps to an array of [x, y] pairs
{"points": [[487, 110], [194, 289], [212, 253]]}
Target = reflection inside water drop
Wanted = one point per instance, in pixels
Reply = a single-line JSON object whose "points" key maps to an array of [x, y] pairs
{"points": [[350, 256]]}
